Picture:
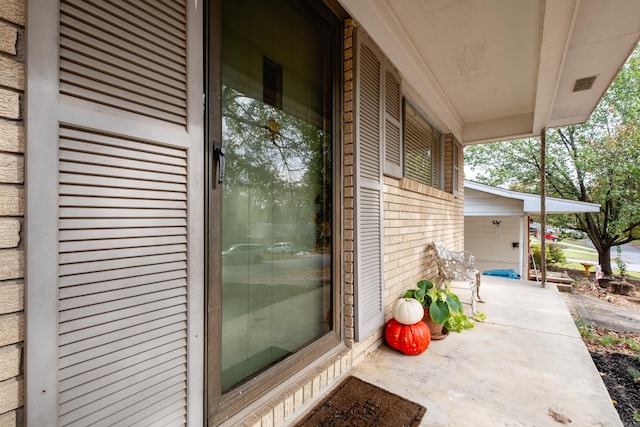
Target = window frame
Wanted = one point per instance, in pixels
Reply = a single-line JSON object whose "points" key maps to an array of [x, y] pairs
{"points": [[436, 148], [222, 406]]}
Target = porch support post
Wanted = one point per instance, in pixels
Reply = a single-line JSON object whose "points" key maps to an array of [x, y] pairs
{"points": [[543, 207]]}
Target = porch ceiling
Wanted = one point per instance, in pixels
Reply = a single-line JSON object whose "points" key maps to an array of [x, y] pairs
{"points": [[489, 70]]}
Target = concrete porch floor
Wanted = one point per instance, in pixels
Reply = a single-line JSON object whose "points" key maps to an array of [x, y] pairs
{"points": [[525, 359]]}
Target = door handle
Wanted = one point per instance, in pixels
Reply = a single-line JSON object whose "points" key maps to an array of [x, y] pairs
{"points": [[218, 155]]}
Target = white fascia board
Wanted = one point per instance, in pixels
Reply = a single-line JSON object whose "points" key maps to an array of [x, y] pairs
{"points": [[531, 202]]}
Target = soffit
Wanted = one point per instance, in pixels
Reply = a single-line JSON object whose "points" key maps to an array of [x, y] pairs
{"points": [[502, 69]]}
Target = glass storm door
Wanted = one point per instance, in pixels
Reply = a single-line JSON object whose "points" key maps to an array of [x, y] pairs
{"points": [[275, 230]]}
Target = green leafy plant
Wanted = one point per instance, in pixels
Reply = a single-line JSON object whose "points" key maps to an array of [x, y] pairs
{"points": [[441, 302], [445, 307], [622, 266], [555, 255]]}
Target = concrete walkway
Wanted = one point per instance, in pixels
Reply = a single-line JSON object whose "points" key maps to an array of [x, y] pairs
{"points": [[602, 313], [525, 359]]}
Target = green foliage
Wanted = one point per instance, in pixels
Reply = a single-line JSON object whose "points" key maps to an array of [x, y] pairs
{"points": [[622, 266], [480, 316], [594, 162], [633, 345], [633, 373], [609, 340], [445, 307], [278, 171], [555, 255], [584, 329], [458, 322]]}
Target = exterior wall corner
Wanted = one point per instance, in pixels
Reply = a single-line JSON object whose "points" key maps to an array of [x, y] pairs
{"points": [[12, 207]]}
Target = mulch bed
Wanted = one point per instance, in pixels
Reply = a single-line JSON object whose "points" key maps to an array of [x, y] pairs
{"points": [[618, 371], [619, 365]]}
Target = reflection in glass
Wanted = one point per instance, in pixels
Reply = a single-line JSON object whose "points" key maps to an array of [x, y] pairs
{"points": [[276, 224]]}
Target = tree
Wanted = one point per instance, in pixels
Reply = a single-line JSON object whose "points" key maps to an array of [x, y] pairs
{"points": [[593, 162], [278, 171]]}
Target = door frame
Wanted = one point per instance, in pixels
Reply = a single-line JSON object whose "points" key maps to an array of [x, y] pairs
{"points": [[219, 406]]}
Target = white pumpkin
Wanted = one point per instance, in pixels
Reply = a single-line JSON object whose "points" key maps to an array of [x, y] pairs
{"points": [[407, 311]]}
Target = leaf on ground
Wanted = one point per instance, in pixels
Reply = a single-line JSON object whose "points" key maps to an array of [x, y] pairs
{"points": [[558, 417]]}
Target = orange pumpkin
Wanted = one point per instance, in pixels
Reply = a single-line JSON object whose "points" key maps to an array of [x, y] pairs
{"points": [[408, 339]]}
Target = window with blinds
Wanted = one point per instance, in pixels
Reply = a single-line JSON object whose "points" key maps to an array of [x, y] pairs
{"points": [[423, 159]]}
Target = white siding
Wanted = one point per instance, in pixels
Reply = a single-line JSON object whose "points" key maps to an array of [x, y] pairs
{"points": [[493, 248]]}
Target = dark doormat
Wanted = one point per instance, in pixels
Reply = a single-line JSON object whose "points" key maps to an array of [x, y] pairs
{"points": [[357, 403]]}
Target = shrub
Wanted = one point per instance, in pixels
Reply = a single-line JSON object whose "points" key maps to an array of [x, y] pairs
{"points": [[554, 254]]}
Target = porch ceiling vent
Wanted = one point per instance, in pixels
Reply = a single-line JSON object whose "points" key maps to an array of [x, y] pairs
{"points": [[584, 83]]}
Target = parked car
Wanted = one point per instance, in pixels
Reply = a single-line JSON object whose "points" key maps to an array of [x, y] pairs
{"points": [[281, 248], [243, 253], [550, 236]]}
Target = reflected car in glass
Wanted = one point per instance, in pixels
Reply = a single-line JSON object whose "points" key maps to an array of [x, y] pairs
{"points": [[281, 248], [243, 253]]}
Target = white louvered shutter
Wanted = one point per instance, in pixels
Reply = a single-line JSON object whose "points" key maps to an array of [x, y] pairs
{"points": [[368, 129], [115, 213], [392, 123]]}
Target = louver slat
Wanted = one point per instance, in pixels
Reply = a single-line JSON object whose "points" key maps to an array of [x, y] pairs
{"points": [[127, 357], [392, 128], [371, 270], [109, 58], [100, 332], [117, 334], [92, 169], [114, 21], [163, 413], [119, 305], [418, 148], [93, 412], [96, 245], [112, 191], [435, 164], [111, 184], [109, 383], [369, 116], [119, 273]]}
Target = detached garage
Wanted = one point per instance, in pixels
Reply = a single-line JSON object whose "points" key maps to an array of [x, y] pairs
{"points": [[496, 224]]}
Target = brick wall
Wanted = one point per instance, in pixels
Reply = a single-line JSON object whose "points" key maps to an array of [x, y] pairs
{"points": [[12, 20], [415, 215], [348, 189]]}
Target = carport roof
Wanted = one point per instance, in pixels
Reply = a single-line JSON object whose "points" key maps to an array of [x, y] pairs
{"points": [[481, 203]]}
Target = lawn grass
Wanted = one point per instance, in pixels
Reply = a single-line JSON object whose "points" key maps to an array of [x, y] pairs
{"points": [[576, 249]]}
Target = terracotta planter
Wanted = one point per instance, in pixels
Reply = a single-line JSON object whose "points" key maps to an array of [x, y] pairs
{"points": [[437, 330]]}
